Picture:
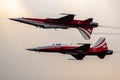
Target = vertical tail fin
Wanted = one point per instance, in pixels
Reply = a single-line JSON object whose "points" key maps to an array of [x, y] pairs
{"points": [[86, 32], [100, 45]]}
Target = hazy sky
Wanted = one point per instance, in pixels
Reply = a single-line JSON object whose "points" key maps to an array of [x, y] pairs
{"points": [[20, 64]]}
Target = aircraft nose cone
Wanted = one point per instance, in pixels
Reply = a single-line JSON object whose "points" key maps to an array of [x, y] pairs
{"points": [[11, 18], [14, 19], [31, 49]]}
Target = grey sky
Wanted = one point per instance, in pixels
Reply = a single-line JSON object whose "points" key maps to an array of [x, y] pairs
{"points": [[19, 64]]}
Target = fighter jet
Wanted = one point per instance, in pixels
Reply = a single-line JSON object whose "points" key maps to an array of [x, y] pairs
{"points": [[85, 27], [100, 49]]}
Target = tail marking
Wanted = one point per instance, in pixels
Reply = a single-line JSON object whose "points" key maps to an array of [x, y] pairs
{"points": [[86, 32]]}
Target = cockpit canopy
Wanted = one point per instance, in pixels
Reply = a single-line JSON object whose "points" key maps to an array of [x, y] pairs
{"points": [[56, 44]]}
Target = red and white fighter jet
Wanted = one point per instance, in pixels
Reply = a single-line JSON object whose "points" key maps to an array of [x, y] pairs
{"points": [[79, 52], [85, 27]]}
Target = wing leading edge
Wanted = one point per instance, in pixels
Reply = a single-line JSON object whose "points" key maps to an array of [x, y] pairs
{"points": [[81, 52], [67, 18]]}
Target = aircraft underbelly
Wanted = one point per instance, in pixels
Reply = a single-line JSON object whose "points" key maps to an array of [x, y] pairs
{"points": [[55, 26]]}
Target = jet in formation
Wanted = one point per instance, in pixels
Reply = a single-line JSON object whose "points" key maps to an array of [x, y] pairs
{"points": [[100, 49], [85, 27]]}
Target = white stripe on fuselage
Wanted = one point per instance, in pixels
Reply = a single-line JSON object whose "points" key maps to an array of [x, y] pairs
{"points": [[54, 26], [46, 25], [31, 21]]}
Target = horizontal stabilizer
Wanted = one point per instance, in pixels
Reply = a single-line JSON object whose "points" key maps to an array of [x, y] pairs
{"points": [[79, 57], [89, 20], [101, 56]]}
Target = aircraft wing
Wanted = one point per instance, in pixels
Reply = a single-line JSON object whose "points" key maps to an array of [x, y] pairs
{"points": [[67, 18], [80, 52], [85, 47]]}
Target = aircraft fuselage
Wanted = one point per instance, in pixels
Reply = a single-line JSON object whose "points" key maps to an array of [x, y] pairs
{"points": [[54, 23]]}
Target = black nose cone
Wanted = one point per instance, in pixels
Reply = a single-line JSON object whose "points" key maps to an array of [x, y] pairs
{"points": [[31, 49]]}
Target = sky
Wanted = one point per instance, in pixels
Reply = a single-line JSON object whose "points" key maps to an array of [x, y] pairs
{"points": [[20, 64]]}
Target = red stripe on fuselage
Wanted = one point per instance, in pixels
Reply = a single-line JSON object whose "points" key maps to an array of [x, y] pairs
{"points": [[74, 23], [58, 49]]}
